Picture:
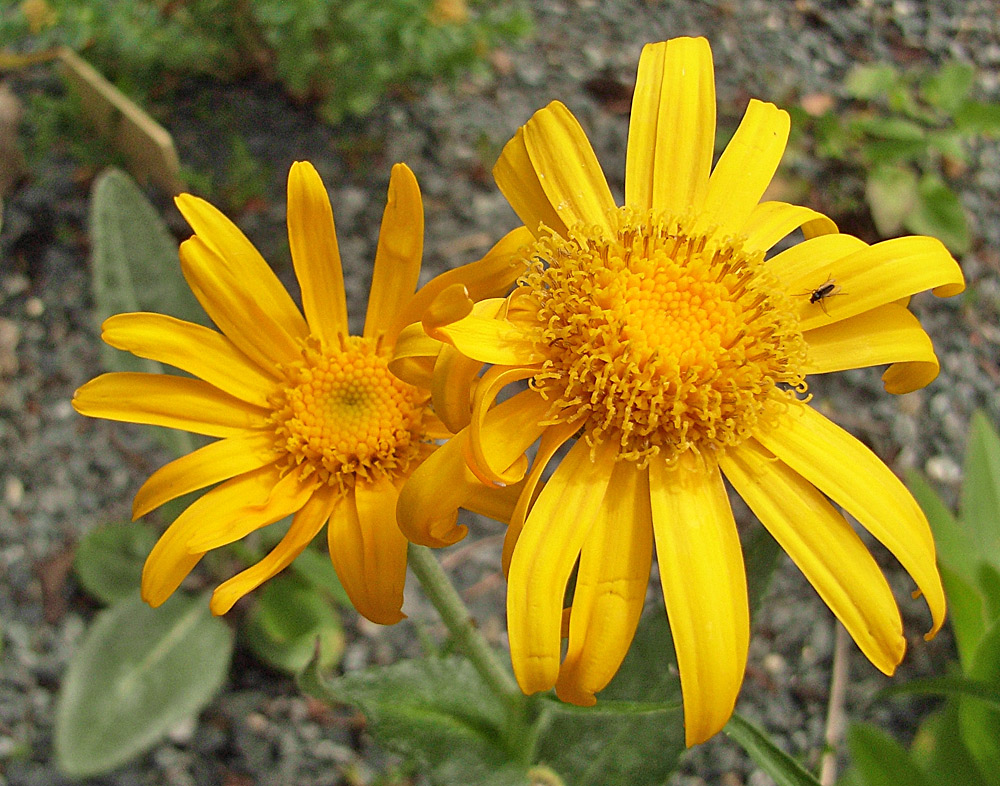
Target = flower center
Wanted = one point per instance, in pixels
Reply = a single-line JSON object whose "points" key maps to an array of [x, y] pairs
{"points": [[659, 339], [345, 415]]}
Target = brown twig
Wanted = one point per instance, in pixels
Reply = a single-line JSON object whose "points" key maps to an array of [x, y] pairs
{"points": [[836, 717]]}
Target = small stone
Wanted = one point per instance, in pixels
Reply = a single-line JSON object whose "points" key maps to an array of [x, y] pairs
{"points": [[943, 469]]}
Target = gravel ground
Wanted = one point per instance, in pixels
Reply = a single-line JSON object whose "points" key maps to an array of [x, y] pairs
{"points": [[61, 475]]}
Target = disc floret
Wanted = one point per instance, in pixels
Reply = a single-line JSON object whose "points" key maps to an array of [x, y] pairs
{"points": [[344, 416], [661, 339]]}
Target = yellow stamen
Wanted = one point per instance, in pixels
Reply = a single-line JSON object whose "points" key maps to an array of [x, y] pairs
{"points": [[345, 416], [662, 340]]}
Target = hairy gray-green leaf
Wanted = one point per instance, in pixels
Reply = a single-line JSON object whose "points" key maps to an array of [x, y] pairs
{"points": [[948, 87], [438, 713], [135, 267], [291, 615], [138, 672], [635, 734], [109, 559]]}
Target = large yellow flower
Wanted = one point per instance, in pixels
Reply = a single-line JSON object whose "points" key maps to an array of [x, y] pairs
{"points": [[308, 418], [663, 338]]}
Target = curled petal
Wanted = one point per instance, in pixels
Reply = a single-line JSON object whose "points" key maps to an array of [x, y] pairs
{"points": [[886, 334], [769, 222]]}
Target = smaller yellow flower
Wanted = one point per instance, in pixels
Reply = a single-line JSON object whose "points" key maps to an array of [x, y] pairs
{"points": [[309, 420]]}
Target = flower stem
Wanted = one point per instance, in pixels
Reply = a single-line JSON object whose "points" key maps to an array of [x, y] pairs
{"points": [[457, 619]]}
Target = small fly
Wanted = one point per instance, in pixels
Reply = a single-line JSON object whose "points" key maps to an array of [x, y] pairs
{"points": [[828, 289]]}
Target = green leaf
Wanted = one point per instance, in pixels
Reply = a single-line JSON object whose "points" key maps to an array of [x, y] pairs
{"points": [[974, 117], [779, 765], [980, 498], [988, 692], [979, 719], [938, 212], [437, 712], [949, 86], [288, 620], [938, 748], [109, 559], [317, 568], [891, 192], [138, 672], [136, 268], [989, 585], [895, 128], [872, 81], [635, 734], [761, 554], [958, 558], [880, 760]]}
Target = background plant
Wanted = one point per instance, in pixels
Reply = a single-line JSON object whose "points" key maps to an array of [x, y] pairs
{"points": [[906, 134], [345, 54]]}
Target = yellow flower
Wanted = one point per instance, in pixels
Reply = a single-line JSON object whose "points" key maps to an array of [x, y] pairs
{"points": [[308, 418], [662, 337]]}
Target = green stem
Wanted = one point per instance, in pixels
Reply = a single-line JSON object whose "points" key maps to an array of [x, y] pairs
{"points": [[457, 619]]}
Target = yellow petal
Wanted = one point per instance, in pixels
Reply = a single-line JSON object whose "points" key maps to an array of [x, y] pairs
{"points": [[671, 134], [213, 463], [567, 167], [490, 340], [546, 552], [171, 558], [414, 355], [286, 496], [428, 503], [865, 276], [704, 587], [307, 522], [243, 262], [825, 547], [518, 181], [451, 387], [492, 276], [164, 400], [854, 478], [312, 239], [886, 334], [236, 308], [398, 255], [769, 222], [489, 455], [193, 348], [369, 551], [553, 438], [610, 587], [808, 265], [745, 168]]}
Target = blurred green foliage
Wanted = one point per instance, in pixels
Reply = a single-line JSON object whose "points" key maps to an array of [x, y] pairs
{"points": [[910, 132], [344, 54]]}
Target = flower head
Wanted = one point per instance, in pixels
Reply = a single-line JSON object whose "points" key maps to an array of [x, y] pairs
{"points": [[663, 338], [309, 420]]}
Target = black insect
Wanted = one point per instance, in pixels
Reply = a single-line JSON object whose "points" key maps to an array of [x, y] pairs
{"points": [[828, 289]]}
